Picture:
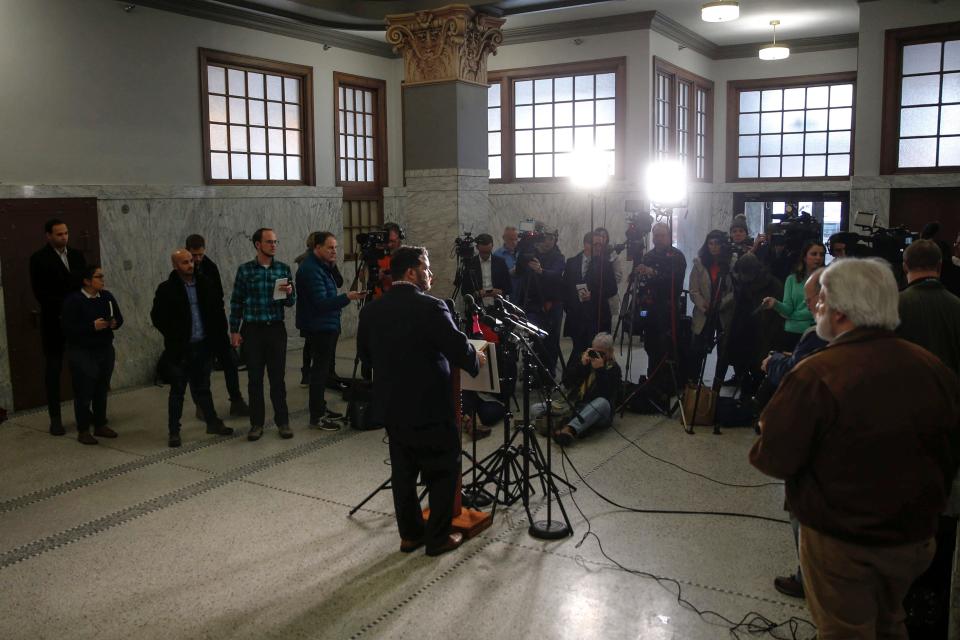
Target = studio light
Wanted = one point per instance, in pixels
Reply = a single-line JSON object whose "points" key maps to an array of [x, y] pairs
{"points": [[774, 51], [590, 168], [720, 11], [666, 183]]}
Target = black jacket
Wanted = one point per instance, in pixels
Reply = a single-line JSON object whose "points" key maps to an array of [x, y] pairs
{"points": [[606, 382], [79, 314], [410, 340], [499, 274], [208, 268], [593, 315], [51, 282], [171, 315]]}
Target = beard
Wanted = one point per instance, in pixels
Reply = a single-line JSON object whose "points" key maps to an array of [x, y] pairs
{"points": [[824, 329]]}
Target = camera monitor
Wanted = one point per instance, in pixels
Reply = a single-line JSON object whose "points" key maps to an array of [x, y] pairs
{"points": [[865, 219]]}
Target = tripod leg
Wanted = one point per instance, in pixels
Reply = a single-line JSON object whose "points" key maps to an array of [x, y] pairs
{"points": [[382, 487]]}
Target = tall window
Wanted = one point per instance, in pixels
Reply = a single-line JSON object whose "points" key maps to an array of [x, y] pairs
{"points": [[922, 99], [537, 117], [257, 120], [683, 119], [791, 128], [360, 124]]}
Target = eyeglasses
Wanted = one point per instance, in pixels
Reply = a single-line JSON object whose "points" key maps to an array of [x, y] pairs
{"points": [[273, 242]]}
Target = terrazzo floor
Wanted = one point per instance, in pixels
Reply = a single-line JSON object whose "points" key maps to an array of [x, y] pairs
{"points": [[225, 538]]}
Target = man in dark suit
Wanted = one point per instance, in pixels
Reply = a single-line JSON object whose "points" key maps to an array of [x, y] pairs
{"points": [[487, 275], [588, 285], [55, 271], [410, 340], [187, 311]]}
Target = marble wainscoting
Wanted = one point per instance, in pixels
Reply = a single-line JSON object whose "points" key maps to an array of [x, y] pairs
{"points": [[394, 205], [6, 389], [870, 201]]}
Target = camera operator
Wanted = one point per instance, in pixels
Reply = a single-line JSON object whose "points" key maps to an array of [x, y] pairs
{"points": [[793, 308], [740, 241], [394, 238], [662, 269], [711, 291], [541, 295], [487, 275], [588, 285]]}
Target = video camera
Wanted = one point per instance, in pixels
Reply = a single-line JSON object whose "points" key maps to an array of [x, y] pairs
{"points": [[794, 231], [530, 232], [465, 248], [639, 224], [882, 242]]}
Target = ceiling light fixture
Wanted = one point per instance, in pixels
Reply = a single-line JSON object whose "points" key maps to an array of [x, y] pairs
{"points": [[774, 51], [720, 11]]}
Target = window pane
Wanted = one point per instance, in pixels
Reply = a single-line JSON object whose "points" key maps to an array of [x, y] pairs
{"points": [[293, 142], [841, 118], [291, 93], [562, 89], [370, 156], [218, 109], [238, 166], [816, 143], [951, 56], [771, 122], [770, 167], [606, 137], [749, 101], [238, 110], [921, 58], [606, 85], [256, 113], [523, 92], [523, 142], [793, 121], [583, 86], [238, 138], [368, 108], [919, 121], [543, 90], [793, 144], [493, 95], [816, 120], [342, 102], [276, 167], [949, 152], [838, 165], [750, 123], [219, 167], [794, 98], [606, 111], [583, 113], [749, 168], [919, 152], [351, 118], [582, 137], [493, 163], [563, 139], [563, 114], [543, 141], [293, 116], [772, 100], [524, 166], [493, 143], [255, 86], [920, 90], [815, 166], [343, 170], [215, 80], [950, 120], [563, 164], [951, 87], [543, 116], [368, 125], [351, 171], [523, 118], [258, 167], [218, 137], [258, 140], [839, 142], [293, 167], [351, 147], [544, 166], [237, 82], [841, 95], [274, 92], [769, 146], [275, 139], [792, 167], [361, 171], [493, 119], [818, 97], [274, 114]]}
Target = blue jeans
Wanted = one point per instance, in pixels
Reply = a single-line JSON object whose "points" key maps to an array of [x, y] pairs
{"points": [[594, 412]]}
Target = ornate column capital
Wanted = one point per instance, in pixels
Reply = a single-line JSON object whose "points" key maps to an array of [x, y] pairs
{"points": [[449, 43]]}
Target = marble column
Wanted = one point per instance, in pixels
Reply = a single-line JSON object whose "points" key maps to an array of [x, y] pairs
{"points": [[444, 127]]}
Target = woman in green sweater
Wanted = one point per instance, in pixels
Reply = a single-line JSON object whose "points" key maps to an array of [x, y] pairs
{"points": [[794, 305]]}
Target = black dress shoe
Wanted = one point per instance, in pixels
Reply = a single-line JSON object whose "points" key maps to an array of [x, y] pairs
{"points": [[104, 431], [788, 586], [174, 440], [218, 428], [84, 437], [454, 540], [337, 385], [56, 428], [409, 546]]}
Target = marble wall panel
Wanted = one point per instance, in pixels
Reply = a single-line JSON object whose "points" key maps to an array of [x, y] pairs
{"points": [[871, 201], [6, 390]]}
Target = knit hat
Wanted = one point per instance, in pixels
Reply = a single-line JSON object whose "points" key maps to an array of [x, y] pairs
{"points": [[739, 222]]}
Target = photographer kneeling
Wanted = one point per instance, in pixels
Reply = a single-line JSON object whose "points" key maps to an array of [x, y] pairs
{"points": [[592, 385]]}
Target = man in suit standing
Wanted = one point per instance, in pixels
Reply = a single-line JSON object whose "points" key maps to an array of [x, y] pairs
{"points": [[588, 283], [410, 340], [55, 271], [487, 275]]}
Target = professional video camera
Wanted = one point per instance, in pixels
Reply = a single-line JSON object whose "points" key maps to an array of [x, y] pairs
{"points": [[371, 247], [639, 223], [794, 231], [530, 232], [465, 247], [883, 242]]}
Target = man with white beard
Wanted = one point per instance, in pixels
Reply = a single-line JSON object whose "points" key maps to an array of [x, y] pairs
{"points": [[866, 434]]}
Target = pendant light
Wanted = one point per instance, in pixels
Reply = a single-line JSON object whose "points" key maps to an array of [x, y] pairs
{"points": [[774, 51], [720, 11]]}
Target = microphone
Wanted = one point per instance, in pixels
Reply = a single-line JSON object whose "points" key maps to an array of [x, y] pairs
{"points": [[473, 312], [503, 303], [451, 307], [492, 323]]}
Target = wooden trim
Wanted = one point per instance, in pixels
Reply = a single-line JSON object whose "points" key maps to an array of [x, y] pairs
{"points": [[792, 82], [566, 68], [679, 75], [260, 65], [379, 87]]}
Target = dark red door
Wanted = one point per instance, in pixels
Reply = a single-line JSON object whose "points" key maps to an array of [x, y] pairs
{"points": [[21, 233], [914, 208]]}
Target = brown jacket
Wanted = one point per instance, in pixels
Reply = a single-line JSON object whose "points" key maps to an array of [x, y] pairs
{"points": [[866, 434]]}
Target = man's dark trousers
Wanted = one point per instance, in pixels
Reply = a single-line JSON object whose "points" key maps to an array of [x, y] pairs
{"points": [[323, 349], [265, 347], [193, 369], [434, 453], [53, 349], [91, 370]]}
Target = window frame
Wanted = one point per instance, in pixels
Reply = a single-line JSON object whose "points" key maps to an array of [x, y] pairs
{"points": [[260, 65], [734, 87], [894, 42], [506, 78], [696, 83]]}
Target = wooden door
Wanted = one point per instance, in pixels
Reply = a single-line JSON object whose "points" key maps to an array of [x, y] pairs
{"points": [[21, 234], [913, 208]]}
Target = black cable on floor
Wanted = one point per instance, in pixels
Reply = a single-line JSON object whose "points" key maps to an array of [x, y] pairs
{"points": [[752, 622]]}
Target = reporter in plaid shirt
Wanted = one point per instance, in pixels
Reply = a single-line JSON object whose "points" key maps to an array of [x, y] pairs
{"points": [[263, 334]]}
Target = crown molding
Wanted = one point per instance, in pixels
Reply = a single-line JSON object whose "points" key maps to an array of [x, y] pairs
{"points": [[670, 28], [576, 28], [799, 45]]}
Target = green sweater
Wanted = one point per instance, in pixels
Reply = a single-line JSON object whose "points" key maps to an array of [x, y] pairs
{"points": [[794, 306]]}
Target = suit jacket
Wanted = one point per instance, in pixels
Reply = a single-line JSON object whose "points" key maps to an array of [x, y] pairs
{"points": [[51, 283], [171, 315], [208, 268], [410, 340], [594, 314], [499, 274]]}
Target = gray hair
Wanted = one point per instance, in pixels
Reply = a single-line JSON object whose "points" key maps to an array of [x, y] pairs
{"points": [[864, 290], [604, 341]]}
